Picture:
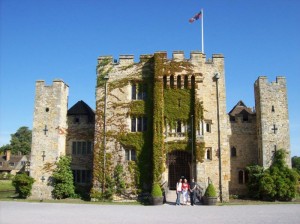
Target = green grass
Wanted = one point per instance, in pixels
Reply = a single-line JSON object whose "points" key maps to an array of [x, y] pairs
{"points": [[6, 185], [7, 190]]}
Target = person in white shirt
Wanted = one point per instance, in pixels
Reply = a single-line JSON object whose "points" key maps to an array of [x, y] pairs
{"points": [[178, 191]]}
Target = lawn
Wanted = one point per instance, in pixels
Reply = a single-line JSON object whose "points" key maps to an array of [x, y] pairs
{"points": [[7, 190]]}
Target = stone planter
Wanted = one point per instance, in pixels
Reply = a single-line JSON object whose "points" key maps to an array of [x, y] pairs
{"points": [[210, 200], [157, 200]]}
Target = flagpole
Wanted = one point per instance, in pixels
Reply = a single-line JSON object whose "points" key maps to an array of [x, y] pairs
{"points": [[202, 31]]}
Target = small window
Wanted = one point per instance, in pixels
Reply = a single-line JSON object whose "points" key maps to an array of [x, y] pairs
{"points": [[193, 81], [23, 163], [172, 81], [273, 108], [186, 81], [208, 127], [82, 176], [133, 124], [76, 120], [233, 152], [133, 91], [82, 147], [138, 124], [130, 155], [1, 164], [179, 82], [245, 117], [209, 153], [11, 164], [138, 91]]}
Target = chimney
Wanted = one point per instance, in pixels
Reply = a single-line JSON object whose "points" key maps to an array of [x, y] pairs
{"points": [[8, 153]]}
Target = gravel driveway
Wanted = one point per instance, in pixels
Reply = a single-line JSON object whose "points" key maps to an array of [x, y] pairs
{"points": [[31, 213]]}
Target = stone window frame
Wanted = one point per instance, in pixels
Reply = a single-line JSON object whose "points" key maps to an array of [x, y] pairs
{"points": [[208, 124], [208, 153]]}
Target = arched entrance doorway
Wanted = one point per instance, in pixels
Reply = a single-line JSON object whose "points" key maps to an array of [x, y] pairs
{"points": [[179, 163]]}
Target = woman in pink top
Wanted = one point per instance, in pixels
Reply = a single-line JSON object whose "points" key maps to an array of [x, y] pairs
{"points": [[185, 188]]}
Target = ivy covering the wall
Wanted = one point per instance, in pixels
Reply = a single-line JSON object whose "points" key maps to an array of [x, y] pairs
{"points": [[161, 103]]}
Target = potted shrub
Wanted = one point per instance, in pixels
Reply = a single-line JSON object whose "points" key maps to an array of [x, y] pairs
{"points": [[157, 196], [210, 196]]}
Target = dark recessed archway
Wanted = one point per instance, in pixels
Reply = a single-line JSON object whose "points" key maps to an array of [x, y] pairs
{"points": [[179, 166]]}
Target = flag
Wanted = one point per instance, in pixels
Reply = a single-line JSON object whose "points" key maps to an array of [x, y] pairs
{"points": [[196, 17]]}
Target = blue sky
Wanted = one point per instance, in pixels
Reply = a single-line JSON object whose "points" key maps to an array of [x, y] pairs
{"points": [[49, 39]]}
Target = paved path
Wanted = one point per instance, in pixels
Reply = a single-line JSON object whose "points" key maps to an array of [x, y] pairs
{"points": [[31, 213]]}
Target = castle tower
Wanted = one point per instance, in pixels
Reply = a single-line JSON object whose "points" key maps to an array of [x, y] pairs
{"points": [[48, 134], [272, 119]]}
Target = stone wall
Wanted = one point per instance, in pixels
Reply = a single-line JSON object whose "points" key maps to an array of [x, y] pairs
{"points": [[48, 135], [244, 140], [119, 98], [272, 119]]}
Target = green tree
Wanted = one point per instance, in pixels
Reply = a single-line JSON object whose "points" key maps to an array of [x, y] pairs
{"points": [[63, 179], [296, 163], [279, 182], [20, 142], [255, 173], [23, 184]]}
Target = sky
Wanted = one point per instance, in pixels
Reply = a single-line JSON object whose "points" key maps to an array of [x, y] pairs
{"points": [[50, 39]]}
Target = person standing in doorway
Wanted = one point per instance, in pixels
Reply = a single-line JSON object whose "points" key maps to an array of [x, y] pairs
{"points": [[192, 191], [178, 191], [185, 188]]}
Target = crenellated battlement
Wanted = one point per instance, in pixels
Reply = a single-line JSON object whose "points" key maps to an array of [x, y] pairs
{"points": [[280, 80], [195, 57]]}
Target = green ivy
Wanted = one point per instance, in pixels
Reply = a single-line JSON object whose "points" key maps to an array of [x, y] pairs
{"points": [[177, 105], [161, 103]]}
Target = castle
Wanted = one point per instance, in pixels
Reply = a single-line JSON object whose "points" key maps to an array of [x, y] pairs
{"points": [[161, 119]]}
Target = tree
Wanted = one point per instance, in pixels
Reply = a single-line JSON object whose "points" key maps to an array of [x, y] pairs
{"points": [[20, 142], [296, 163], [63, 179], [279, 182], [23, 184], [255, 173]]}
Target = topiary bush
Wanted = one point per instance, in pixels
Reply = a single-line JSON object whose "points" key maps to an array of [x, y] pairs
{"points": [[156, 190], [210, 191], [23, 184]]}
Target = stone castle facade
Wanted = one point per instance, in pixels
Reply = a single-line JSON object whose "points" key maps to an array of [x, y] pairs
{"points": [[161, 119]]}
